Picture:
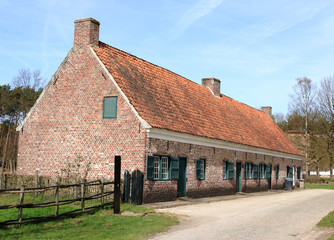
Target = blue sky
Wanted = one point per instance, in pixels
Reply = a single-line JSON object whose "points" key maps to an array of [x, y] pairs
{"points": [[257, 48]]}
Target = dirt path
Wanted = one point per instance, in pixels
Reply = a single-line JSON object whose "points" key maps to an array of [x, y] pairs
{"points": [[288, 215]]}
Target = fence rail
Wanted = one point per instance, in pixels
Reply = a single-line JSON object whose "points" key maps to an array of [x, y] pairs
{"points": [[85, 196], [87, 190]]}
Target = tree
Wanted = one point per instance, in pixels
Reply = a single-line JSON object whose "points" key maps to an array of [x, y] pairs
{"points": [[26, 78], [326, 111], [14, 105], [303, 104], [281, 121]]}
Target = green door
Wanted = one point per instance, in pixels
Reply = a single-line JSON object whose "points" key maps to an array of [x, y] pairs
{"points": [[181, 183], [238, 177]]}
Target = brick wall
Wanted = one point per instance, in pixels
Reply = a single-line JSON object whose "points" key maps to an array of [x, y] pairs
{"points": [[67, 122], [214, 184]]}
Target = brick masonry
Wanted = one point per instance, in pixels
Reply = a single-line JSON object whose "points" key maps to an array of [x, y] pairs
{"points": [[214, 184]]}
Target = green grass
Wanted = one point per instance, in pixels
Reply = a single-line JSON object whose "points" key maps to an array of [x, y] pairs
{"points": [[327, 221], [329, 185], [12, 213], [102, 224]]}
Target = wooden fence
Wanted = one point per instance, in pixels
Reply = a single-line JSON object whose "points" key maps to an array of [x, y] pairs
{"points": [[98, 189]]}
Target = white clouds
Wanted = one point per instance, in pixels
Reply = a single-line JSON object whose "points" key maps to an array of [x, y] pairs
{"points": [[199, 10]]}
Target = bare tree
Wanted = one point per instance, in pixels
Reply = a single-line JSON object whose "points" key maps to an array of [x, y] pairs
{"points": [[326, 111], [303, 103], [28, 79]]}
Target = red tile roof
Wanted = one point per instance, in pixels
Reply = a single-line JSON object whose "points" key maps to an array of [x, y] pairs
{"points": [[169, 101]]}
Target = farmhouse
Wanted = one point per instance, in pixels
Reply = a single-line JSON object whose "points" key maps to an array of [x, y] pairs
{"points": [[187, 139]]}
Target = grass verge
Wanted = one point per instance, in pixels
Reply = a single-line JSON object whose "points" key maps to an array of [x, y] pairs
{"points": [[329, 185], [103, 224], [327, 221]]}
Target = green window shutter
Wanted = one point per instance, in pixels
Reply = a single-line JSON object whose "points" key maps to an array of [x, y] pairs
{"points": [[245, 171], [298, 172], [204, 170], [230, 170], [198, 168], [277, 171], [174, 169], [150, 168], [268, 171], [110, 107], [255, 171]]}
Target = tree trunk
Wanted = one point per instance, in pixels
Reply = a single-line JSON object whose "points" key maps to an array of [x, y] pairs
{"points": [[5, 147]]}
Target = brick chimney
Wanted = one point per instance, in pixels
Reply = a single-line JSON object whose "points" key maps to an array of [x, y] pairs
{"points": [[86, 32], [213, 84], [267, 110]]}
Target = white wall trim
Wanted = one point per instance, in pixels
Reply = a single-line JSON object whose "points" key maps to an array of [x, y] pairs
{"points": [[143, 122], [209, 142]]}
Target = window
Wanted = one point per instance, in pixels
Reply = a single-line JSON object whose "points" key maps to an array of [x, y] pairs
{"points": [[156, 167], [110, 107], [255, 171], [200, 169], [289, 172], [225, 164], [262, 171], [162, 168], [277, 171], [298, 172], [251, 171], [268, 171], [228, 170], [248, 170]]}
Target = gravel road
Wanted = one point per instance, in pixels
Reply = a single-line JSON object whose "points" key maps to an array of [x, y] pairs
{"points": [[287, 215]]}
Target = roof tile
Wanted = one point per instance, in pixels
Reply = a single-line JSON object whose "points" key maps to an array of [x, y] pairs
{"points": [[169, 101]]}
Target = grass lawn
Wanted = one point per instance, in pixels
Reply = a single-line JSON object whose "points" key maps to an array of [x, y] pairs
{"points": [[102, 224], [327, 221], [329, 185]]}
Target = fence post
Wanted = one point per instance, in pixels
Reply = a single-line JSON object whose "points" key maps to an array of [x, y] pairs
{"points": [[83, 196], [117, 185], [57, 198], [36, 182], [102, 192], [21, 202]]}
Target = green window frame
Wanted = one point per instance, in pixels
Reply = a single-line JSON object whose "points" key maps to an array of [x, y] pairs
{"points": [[248, 170], [110, 107], [255, 171], [262, 171], [230, 170], [225, 170], [299, 169], [289, 172], [268, 171], [277, 172], [162, 168], [200, 168]]}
